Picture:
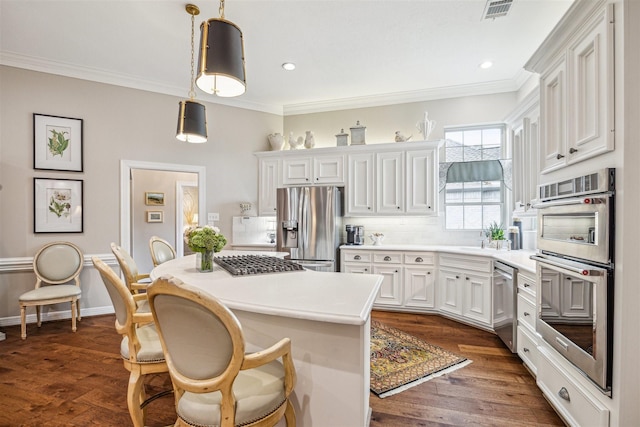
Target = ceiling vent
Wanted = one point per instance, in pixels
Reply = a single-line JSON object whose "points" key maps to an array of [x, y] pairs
{"points": [[496, 8]]}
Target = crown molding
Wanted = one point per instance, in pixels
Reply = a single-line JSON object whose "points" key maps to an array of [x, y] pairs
{"points": [[117, 79], [102, 76], [401, 97]]}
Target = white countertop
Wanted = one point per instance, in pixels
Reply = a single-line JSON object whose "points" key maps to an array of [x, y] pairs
{"points": [[519, 259], [319, 296]]}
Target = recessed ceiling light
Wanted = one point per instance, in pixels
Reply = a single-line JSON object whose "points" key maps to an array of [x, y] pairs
{"points": [[486, 64], [289, 66]]}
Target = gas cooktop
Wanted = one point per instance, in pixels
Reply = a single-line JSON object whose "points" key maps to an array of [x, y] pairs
{"points": [[242, 265]]}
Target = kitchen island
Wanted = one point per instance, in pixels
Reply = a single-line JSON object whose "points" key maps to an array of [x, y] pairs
{"points": [[327, 317]]}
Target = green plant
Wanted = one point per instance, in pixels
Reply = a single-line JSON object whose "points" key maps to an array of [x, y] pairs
{"points": [[203, 239], [495, 231]]}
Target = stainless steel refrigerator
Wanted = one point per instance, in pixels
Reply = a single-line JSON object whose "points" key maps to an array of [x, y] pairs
{"points": [[309, 220]]}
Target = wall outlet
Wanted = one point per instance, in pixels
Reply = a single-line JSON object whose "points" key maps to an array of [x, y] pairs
{"points": [[213, 217]]}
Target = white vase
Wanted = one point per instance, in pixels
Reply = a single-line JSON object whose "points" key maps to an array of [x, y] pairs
{"points": [[277, 141], [309, 141]]}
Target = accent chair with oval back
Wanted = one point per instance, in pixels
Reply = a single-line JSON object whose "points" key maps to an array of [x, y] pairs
{"points": [[161, 250], [55, 265], [215, 382]]}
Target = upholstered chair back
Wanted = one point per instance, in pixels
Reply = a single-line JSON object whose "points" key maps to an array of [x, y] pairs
{"points": [[161, 251]]}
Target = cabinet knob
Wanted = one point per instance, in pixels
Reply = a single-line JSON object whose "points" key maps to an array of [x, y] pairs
{"points": [[317, 179], [428, 272], [573, 150], [526, 314], [357, 257], [559, 156], [396, 271], [525, 349], [466, 278], [457, 277], [369, 207], [366, 269], [526, 285], [397, 207], [564, 393], [419, 259], [306, 179], [387, 258], [528, 205], [429, 207]]}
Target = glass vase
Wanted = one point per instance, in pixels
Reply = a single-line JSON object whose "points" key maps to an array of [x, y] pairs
{"points": [[204, 261]]}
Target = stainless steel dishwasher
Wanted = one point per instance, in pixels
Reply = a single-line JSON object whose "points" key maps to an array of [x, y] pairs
{"points": [[505, 320]]}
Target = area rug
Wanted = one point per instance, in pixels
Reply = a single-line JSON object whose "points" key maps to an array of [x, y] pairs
{"points": [[400, 361]]}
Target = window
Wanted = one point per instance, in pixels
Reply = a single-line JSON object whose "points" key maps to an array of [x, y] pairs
{"points": [[474, 191]]}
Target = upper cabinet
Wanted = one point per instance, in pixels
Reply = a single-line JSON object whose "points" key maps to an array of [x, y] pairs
{"points": [[308, 170], [379, 179], [575, 64], [524, 133]]}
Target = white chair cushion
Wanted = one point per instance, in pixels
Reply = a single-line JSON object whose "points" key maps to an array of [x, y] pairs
{"points": [[51, 292], [258, 393], [150, 346]]}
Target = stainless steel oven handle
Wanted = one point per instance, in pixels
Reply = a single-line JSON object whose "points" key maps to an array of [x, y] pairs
{"points": [[573, 201], [581, 271]]}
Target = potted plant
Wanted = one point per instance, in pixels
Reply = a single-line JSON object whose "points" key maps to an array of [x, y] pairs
{"points": [[205, 241], [495, 232]]}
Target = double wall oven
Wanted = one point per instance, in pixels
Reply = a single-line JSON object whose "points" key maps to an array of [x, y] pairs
{"points": [[575, 264]]}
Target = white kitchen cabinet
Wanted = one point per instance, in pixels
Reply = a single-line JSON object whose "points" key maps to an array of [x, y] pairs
{"points": [[420, 179], [309, 170], [576, 90], [389, 183], [528, 338], [390, 293], [465, 288], [553, 100], [269, 181], [578, 402], [450, 291], [360, 184], [524, 124], [419, 280], [476, 292]]}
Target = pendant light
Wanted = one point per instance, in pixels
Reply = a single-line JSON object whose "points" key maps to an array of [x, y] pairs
{"points": [[192, 117], [221, 64]]}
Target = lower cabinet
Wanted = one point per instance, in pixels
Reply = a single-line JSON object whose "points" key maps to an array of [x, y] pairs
{"points": [[528, 338], [465, 287], [567, 393]]}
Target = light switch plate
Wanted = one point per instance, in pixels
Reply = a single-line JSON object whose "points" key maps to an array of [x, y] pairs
{"points": [[213, 216]]}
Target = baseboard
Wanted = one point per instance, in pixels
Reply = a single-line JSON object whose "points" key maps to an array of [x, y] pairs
{"points": [[57, 315]]}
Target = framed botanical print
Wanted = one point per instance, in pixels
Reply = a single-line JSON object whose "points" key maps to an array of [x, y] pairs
{"points": [[57, 205], [57, 143]]}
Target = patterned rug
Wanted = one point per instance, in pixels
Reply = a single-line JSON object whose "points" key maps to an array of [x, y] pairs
{"points": [[400, 361]]}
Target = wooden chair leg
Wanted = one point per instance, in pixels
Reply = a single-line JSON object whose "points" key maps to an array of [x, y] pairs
{"points": [[134, 391], [73, 315], [23, 322], [39, 320], [78, 310], [290, 415]]}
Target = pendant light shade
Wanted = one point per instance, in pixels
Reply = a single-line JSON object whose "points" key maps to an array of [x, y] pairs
{"points": [[221, 64], [192, 116], [192, 122]]}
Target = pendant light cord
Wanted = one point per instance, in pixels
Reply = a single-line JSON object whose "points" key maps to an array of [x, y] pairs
{"points": [[221, 10], [192, 92]]}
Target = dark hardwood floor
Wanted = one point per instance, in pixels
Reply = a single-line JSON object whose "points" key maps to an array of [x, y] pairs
{"points": [[60, 378]]}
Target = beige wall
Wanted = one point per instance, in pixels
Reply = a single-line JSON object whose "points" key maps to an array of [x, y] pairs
{"points": [[119, 123], [383, 122]]}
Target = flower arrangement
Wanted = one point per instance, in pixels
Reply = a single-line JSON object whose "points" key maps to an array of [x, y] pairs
{"points": [[204, 239]]}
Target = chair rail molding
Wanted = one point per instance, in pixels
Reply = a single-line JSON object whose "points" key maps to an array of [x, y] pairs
{"points": [[11, 265]]}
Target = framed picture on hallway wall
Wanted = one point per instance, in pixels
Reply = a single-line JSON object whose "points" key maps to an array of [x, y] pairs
{"points": [[153, 198], [57, 205], [57, 143], [154, 216]]}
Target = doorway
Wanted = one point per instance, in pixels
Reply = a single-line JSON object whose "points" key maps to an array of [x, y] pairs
{"points": [[127, 167]]}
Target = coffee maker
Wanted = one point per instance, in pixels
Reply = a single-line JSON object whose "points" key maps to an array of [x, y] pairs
{"points": [[355, 234]]}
